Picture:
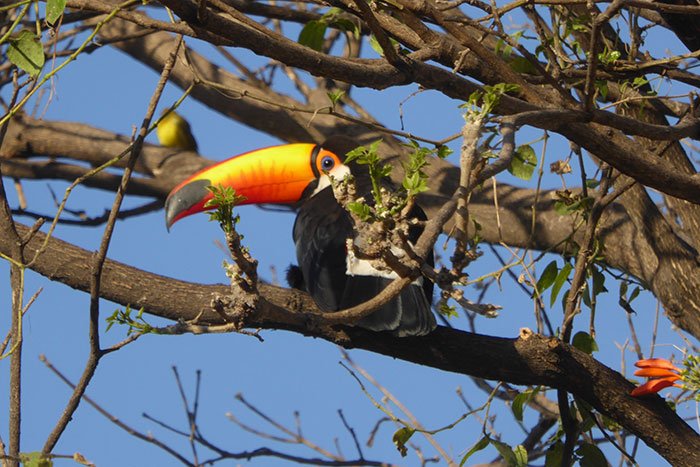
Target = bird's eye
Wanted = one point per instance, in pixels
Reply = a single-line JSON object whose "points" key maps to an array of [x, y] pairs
{"points": [[327, 163]]}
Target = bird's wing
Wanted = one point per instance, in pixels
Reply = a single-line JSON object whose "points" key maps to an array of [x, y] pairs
{"points": [[319, 235]]}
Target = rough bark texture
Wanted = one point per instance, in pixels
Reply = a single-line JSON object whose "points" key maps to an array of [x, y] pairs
{"points": [[529, 360], [455, 55], [658, 258]]}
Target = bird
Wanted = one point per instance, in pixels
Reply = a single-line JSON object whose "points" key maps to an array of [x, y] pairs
{"points": [[173, 131], [299, 174]]}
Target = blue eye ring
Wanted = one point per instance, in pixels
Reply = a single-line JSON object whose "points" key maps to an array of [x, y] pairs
{"points": [[327, 163]]}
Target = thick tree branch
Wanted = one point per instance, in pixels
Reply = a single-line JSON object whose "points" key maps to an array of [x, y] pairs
{"points": [[610, 145], [511, 224], [530, 359]]}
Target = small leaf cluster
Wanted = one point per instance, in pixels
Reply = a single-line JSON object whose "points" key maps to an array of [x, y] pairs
{"points": [[313, 33], [597, 285], [586, 454], [624, 301], [25, 49], [223, 200], [481, 103], [513, 456], [448, 311], [568, 202], [635, 84], [517, 63], [35, 459], [377, 47], [335, 96], [378, 171], [691, 375], [521, 401], [415, 180], [608, 57], [580, 24], [555, 278], [135, 323]]}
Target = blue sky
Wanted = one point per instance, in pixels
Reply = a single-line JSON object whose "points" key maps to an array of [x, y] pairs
{"points": [[287, 372]]}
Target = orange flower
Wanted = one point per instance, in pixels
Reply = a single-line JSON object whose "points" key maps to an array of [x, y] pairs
{"points": [[662, 372]]}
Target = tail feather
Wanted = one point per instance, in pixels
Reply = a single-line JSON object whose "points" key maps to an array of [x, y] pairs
{"points": [[409, 314]]}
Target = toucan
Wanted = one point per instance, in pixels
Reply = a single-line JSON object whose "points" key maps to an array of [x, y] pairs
{"points": [[299, 174]]}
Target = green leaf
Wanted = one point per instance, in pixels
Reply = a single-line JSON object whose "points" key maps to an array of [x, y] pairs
{"points": [[415, 183], [602, 87], [565, 207], [361, 210], [519, 404], [598, 282], [623, 288], [481, 444], [374, 43], [35, 459], [448, 311], [312, 34], [502, 49], [555, 454], [559, 282], [54, 10], [591, 456], [335, 96], [383, 171], [365, 155], [443, 152], [592, 183], [634, 294], [520, 455], [561, 208], [611, 424], [26, 52], [505, 451], [524, 162], [584, 342], [564, 297], [639, 81], [347, 26], [586, 296], [548, 277], [401, 437], [585, 414], [607, 56], [522, 65]]}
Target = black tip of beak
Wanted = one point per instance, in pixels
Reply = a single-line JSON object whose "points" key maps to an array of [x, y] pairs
{"points": [[184, 199]]}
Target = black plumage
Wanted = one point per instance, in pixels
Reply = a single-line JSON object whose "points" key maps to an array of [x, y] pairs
{"points": [[320, 232]]}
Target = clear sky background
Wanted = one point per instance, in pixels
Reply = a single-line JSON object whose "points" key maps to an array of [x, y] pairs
{"points": [[287, 372]]}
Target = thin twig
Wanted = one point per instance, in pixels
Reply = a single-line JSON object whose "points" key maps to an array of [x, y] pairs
{"points": [[98, 261], [352, 433], [148, 438]]}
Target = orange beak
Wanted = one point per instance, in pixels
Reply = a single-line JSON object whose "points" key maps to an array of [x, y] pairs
{"points": [[278, 174]]}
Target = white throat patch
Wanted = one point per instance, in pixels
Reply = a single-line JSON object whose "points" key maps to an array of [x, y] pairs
{"points": [[324, 181]]}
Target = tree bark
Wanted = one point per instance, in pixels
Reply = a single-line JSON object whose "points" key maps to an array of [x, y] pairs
{"points": [[657, 257], [530, 359]]}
